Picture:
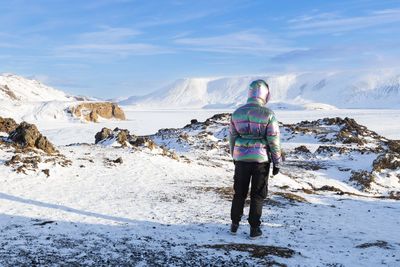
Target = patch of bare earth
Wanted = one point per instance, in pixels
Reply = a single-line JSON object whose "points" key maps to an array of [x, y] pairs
{"points": [[260, 252]]}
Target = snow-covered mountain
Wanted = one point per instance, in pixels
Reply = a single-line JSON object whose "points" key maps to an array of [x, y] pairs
{"points": [[361, 89], [18, 89], [32, 101]]}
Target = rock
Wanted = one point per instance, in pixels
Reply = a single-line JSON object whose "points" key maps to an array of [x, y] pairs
{"points": [[28, 136], [302, 149], [14, 160], [394, 146], [92, 111], [9, 92], [332, 150], [122, 137], [102, 135], [7, 125], [193, 121], [184, 136], [362, 178], [386, 161], [118, 160], [46, 172], [118, 112]]}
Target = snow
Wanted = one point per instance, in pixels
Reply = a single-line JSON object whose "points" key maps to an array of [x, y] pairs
{"points": [[149, 200], [29, 90], [153, 210], [144, 122], [308, 90]]}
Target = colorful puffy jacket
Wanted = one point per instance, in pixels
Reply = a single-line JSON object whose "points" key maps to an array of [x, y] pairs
{"points": [[254, 131]]}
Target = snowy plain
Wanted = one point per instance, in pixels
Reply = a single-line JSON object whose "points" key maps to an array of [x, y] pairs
{"points": [[144, 122], [152, 210]]}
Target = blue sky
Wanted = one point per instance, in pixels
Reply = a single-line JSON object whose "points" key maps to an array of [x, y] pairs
{"points": [[110, 48]]}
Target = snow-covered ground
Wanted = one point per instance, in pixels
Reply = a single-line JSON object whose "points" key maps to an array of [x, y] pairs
{"points": [[154, 210], [333, 204]]}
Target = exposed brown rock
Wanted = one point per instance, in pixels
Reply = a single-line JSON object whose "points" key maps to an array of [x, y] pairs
{"points": [[386, 161], [332, 150], [302, 149], [291, 197], [14, 159], [349, 131], [7, 125], [118, 112], [22, 164], [144, 141], [46, 172], [394, 146], [122, 136], [28, 136], [363, 178], [257, 251], [102, 135], [91, 111]]}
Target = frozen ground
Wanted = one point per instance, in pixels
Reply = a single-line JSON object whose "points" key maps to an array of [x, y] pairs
{"points": [[156, 211]]}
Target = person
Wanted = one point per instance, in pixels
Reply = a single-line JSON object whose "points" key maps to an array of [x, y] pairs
{"points": [[254, 141]]}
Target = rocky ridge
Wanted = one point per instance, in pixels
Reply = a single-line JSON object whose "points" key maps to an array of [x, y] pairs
{"points": [[123, 138], [365, 160], [93, 111]]}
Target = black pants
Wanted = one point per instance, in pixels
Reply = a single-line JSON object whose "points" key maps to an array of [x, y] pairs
{"points": [[245, 172]]}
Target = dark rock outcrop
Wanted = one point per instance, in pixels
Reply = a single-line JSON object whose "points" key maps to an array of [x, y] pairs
{"points": [[123, 137], [102, 135], [28, 136]]}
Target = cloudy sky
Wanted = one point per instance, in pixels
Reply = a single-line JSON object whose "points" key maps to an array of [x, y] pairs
{"points": [[110, 48]]}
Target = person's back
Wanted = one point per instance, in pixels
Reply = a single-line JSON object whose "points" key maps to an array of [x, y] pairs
{"points": [[254, 142]]}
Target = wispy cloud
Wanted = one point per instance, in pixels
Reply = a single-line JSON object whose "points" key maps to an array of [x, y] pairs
{"points": [[250, 42], [340, 56], [121, 49], [108, 41], [334, 23], [108, 34], [182, 18]]}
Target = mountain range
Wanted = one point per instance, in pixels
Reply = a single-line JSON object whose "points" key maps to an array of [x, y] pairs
{"points": [[31, 100], [362, 89]]}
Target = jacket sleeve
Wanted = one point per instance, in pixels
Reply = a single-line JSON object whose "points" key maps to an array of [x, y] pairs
{"points": [[233, 134], [274, 141]]}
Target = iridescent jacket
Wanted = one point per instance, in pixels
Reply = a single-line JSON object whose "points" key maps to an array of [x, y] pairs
{"points": [[254, 131]]}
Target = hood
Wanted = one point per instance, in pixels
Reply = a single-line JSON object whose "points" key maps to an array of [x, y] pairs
{"points": [[259, 92]]}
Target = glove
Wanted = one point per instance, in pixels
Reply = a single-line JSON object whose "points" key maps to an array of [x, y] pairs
{"points": [[275, 170]]}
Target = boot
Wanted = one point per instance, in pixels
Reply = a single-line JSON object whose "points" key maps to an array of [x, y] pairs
{"points": [[255, 232], [234, 228]]}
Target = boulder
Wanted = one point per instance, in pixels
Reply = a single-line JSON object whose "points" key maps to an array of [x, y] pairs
{"points": [[102, 135], [92, 111], [7, 125], [28, 136]]}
